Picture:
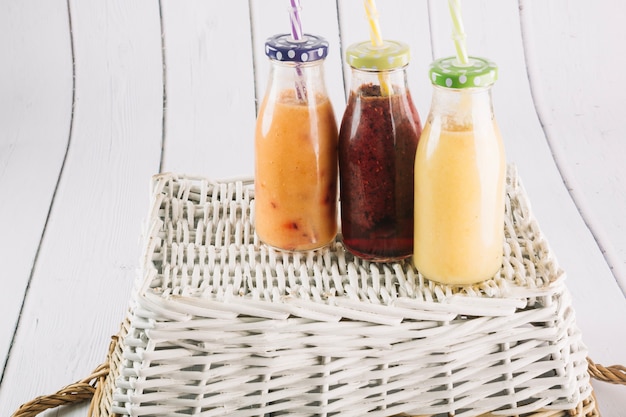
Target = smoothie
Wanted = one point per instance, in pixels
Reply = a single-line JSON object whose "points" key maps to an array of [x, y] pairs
{"points": [[296, 172], [459, 201], [377, 144]]}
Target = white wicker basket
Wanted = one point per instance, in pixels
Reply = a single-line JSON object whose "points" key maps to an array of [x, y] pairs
{"points": [[223, 325]]}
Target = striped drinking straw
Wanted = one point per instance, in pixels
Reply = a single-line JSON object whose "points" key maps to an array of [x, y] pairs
{"points": [[296, 34], [376, 39], [458, 33]]}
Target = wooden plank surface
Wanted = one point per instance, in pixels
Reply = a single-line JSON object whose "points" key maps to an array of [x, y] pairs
{"points": [[209, 79], [190, 108], [89, 254], [35, 118], [574, 59]]}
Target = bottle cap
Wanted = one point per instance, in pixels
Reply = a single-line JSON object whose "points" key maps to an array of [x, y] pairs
{"points": [[285, 48], [390, 55], [448, 72]]}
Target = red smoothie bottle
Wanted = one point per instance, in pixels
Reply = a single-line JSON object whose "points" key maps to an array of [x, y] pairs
{"points": [[377, 144]]}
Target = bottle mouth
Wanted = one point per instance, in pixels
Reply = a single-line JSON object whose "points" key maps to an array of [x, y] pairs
{"points": [[294, 64], [375, 70]]}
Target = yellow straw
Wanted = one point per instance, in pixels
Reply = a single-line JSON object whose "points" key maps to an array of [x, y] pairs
{"points": [[376, 38], [372, 18]]}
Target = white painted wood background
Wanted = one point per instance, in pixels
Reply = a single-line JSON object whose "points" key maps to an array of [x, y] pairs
{"points": [[97, 96]]}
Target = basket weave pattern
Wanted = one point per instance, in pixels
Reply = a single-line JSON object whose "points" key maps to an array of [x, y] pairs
{"points": [[223, 325]]}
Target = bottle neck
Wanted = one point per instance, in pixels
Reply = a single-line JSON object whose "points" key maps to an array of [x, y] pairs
{"points": [[377, 83], [305, 80], [461, 108]]}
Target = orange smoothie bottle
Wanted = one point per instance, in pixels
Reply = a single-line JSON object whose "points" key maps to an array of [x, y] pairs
{"points": [[296, 149], [460, 177]]}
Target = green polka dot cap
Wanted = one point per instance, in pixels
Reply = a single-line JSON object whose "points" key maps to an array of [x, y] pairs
{"points": [[448, 72], [390, 55]]}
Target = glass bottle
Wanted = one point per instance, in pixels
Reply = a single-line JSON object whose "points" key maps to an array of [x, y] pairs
{"points": [[296, 148], [377, 143], [460, 177]]}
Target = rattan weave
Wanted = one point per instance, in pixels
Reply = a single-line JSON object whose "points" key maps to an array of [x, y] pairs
{"points": [[223, 325]]}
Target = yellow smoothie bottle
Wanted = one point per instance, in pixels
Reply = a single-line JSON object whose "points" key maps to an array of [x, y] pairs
{"points": [[296, 149], [460, 177]]}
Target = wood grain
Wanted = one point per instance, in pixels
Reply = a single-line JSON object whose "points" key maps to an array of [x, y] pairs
{"points": [[210, 103], [35, 119], [580, 98], [88, 258]]}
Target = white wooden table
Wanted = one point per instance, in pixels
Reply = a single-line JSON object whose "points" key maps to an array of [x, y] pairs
{"points": [[97, 96]]}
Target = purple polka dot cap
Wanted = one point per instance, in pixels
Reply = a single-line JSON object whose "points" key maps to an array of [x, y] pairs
{"points": [[286, 49]]}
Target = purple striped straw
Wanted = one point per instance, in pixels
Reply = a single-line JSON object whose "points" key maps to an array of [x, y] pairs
{"points": [[296, 34], [296, 23]]}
